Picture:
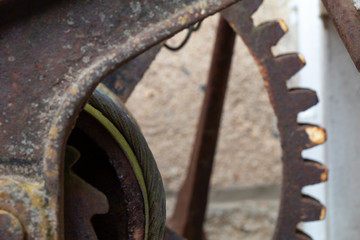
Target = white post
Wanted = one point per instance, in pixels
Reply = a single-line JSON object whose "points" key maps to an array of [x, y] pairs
{"points": [[343, 148]]}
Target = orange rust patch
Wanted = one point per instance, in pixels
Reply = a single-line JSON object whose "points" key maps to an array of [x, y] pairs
{"points": [[50, 154], [183, 19], [283, 25], [53, 132], [322, 213], [316, 135], [302, 59], [324, 176]]}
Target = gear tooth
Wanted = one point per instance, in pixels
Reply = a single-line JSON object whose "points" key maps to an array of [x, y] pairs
{"points": [[302, 99], [300, 235], [311, 209], [244, 10], [251, 6], [309, 136], [81, 200], [288, 65], [316, 135], [313, 172], [270, 33]]}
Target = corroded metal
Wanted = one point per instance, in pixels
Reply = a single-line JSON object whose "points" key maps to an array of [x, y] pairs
{"points": [[10, 227], [52, 56], [276, 70], [347, 22], [190, 209]]}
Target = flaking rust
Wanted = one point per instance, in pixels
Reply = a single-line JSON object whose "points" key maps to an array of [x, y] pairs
{"points": [[52, 56], [10, 227], [276, 70]]}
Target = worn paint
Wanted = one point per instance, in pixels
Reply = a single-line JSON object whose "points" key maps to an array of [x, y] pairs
{"points": [[316, 135], [302, 59], [30, 198], [283, 25], [10, 227], [322, 214], [324, 176]]}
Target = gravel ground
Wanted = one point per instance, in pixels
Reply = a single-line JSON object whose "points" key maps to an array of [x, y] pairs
{"points": [[166, 105], [246, 220], [248, 214]]}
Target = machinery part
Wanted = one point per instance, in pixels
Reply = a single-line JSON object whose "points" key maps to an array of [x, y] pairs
{"points": [[63, 49], [10, 227], [116, 160], [53, 55], [347, 22], [189, 214], [82, 201], [276, 70]]}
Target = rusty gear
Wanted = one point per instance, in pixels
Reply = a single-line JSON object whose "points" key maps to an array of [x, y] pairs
{"points": [[276, 70]]}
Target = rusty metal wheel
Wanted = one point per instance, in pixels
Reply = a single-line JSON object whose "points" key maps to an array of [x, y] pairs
{"points": [[113, 189], [287, 103]]}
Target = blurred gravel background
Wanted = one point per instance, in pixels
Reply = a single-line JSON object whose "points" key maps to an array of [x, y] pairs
{"points": [[247, 173]]}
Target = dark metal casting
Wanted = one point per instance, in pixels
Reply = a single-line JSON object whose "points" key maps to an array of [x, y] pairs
{"points": [[53, 54]]}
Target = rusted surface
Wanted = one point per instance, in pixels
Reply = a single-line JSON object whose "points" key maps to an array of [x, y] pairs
{"points": [[10, 227], [52, 55], [190, 209], [276, 70], [347, 22]]}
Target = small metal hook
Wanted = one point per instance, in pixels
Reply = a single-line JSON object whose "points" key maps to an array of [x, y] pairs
{"points": [[191, 29]]}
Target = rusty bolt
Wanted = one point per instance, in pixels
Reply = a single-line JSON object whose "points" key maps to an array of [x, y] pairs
{"points": [[10, 227]]}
